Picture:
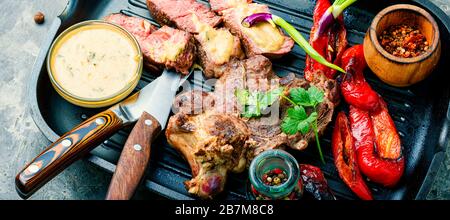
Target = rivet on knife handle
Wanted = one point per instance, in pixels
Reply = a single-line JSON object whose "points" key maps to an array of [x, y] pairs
{"points": [[134, 159], [67, 149]]}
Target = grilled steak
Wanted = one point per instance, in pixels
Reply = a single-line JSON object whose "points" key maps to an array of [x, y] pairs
{"points": [[163, 48], [171, 47], [179, 13], [198, 113], [213, 144], [215, 49], [253, 74], [215, 46], [140, 28], [263, 39], [220, 5]]}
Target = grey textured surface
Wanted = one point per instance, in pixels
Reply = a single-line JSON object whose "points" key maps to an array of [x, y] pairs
{"points": [[21, 140]]}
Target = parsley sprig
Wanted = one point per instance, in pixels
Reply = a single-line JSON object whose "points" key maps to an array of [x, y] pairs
{"points": [[255, 102], [296, 119]]}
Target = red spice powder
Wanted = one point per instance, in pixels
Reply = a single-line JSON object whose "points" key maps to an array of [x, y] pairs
{"points": [[404, 41]]}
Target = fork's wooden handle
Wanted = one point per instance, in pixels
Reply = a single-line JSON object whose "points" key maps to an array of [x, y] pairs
{"points": [[67, 149], [134, 159]]}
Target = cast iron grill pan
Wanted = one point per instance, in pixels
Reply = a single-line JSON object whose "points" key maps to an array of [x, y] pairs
{"points": [[420, 112]]}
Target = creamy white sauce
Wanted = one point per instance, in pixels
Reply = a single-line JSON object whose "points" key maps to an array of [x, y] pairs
{"points": [[94, 61]]}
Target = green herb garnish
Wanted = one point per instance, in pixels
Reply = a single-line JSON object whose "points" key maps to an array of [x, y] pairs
{"points": [[255, 102], [296, 119]]}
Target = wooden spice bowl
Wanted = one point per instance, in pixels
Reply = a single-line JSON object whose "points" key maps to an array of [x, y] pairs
{"points": [[399, 71]]}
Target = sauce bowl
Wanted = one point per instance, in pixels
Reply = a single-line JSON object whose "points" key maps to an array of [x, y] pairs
{"points": [[87, 80]]}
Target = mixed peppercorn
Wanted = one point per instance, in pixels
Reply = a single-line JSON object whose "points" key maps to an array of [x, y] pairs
{"points": [[404, 41], [275, 177]]}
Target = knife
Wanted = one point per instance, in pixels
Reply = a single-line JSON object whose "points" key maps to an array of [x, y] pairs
{"points": [[153, 102], [134, 158]]}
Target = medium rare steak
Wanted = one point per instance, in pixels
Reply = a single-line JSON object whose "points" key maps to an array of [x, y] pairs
{"points": [[215, 46], [198, 113], [179, 13], [171, 47], [140, 28], [261, 39], [164, 48], [220, 5]]}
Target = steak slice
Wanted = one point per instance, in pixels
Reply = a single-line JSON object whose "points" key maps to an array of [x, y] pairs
{"points": [[215, 49], [170, 47], [164, 48], [261, 39], [219, 5], [179, 13], [215, 46], [140, 28]]}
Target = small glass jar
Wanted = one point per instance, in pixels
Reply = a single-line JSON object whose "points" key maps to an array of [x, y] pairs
{"points": [[268, 161]]}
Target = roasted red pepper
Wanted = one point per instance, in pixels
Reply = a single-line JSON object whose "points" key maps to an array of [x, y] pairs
{"points": [[330, 44], [354, 87], [378, 147], [344, 153], [386, 136], [315, 184]]}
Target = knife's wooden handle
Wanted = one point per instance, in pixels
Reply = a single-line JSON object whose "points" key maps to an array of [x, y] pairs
{"points": [[67, 149], [134, 159]]}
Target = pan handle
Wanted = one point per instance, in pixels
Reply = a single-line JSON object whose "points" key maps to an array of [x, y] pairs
{"points": [[444, 137], [66, 150]]}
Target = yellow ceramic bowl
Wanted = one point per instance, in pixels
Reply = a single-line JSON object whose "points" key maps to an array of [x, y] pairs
{"points": [[94, 64]]}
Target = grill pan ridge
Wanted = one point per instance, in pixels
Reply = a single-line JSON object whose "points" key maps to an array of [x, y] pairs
{"points": [[421, 112]]}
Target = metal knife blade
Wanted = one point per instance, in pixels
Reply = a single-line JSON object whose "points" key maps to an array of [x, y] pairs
{"points": [[155, 99]]}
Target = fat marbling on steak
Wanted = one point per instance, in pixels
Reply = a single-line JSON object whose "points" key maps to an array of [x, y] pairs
{"points": [[208, 131], [261, 39], [215, 46], [162, 48]]}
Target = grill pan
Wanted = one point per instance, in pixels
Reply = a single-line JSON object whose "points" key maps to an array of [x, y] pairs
{"points": [[421, 112]]}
